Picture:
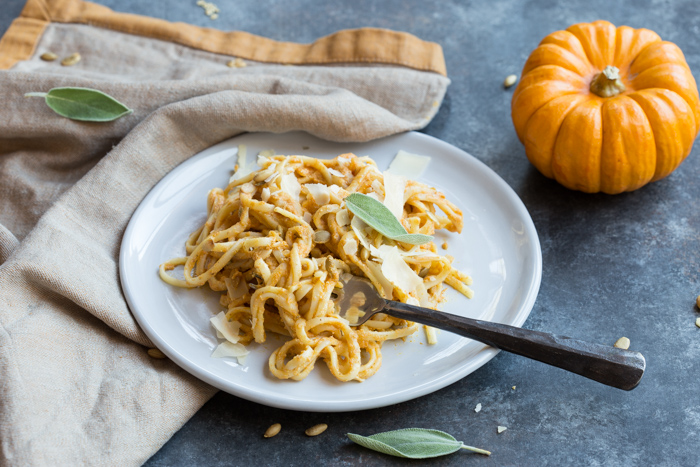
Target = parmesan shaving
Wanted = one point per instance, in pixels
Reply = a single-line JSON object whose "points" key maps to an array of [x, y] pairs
{"points": [[264, 155], [408, 165], [319, 192], [430, 335], [227, 328], [394, 187], [290, 185], [227, 349], [397, 271], [336, 173], [359, 226], [242, 162]]}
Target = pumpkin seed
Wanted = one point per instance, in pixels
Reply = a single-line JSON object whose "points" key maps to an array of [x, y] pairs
{"points": [[322, 236], [262, 177], [697, 322], [510, 80], [623, 343], [155, 353], [273, 430], [316, 429], [237, 63], [48, 56], [71, 60]]}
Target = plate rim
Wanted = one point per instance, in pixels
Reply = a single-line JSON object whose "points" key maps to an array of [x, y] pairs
{"points": [[482, 356]]}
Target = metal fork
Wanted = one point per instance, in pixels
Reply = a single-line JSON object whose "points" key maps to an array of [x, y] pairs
{"points": [[358, 301]]}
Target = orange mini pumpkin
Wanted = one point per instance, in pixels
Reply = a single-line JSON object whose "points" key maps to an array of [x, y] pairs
{"points": [[608, 109]]}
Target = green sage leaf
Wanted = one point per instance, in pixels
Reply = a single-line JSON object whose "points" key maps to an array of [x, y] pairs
{"points": [[84, 104], [378, 216], [413, 443]]}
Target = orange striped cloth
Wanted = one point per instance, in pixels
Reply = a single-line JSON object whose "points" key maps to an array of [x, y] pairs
{"points": [[77, 385]]}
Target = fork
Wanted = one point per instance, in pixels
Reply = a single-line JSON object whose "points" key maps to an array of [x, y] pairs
{"points": [[358, 301]]}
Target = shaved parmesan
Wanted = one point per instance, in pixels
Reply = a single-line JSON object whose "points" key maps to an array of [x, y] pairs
{"points": [[394, 187], [430, 335], [320, 193], [409, 165], [376, 269], [229, 329], [359, 226], [342, 160], [264, 155], [227, 349], [374, 196], [238, 291], [397, 271], [242, 163], [290, 185], [336, 173], [308, 217]]}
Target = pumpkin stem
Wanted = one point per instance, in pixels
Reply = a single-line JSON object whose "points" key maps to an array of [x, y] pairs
{"points": [[607, 83]]}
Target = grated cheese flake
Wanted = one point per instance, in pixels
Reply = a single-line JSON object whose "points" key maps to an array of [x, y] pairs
{"points": [[229, 330], [227, 349], [319, 192], [290, 185], [397, 271], [409, 165], [394, 188]]}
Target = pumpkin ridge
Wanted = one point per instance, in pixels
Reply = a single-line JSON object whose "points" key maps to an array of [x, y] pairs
{"points": [[574, 62], [653, 74], [623, 58], [545, 165], [619, 112], [649, 100], [556, 39], [592, 37], [631, 62], [566, 162]]}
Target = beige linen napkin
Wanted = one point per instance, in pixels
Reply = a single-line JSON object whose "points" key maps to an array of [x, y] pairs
{"points": [[76, 383]]}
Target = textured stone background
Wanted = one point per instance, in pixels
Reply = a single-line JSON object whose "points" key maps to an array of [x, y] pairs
{"points": [[613, 265]]}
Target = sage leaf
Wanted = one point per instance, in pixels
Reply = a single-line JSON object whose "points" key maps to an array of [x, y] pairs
{"points": [[378, 216], [413, 443], [83, 104]]}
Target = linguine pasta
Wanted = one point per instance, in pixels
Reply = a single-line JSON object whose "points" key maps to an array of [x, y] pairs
{"points": [[277, 241]]}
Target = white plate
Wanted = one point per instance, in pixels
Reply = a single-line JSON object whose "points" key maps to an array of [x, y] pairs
{"points": [[498, 247]]}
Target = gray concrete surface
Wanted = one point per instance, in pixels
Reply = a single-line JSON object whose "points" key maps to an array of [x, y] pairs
{"points": [[613, 265]]}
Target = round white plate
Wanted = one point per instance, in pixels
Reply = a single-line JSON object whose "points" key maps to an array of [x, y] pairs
{"points": [[498, 247]]}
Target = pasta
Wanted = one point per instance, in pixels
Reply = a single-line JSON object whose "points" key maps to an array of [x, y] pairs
{"points": [[277, 241]]}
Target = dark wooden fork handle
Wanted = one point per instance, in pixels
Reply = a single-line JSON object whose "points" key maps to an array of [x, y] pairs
{"points": [[606, 364]]}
